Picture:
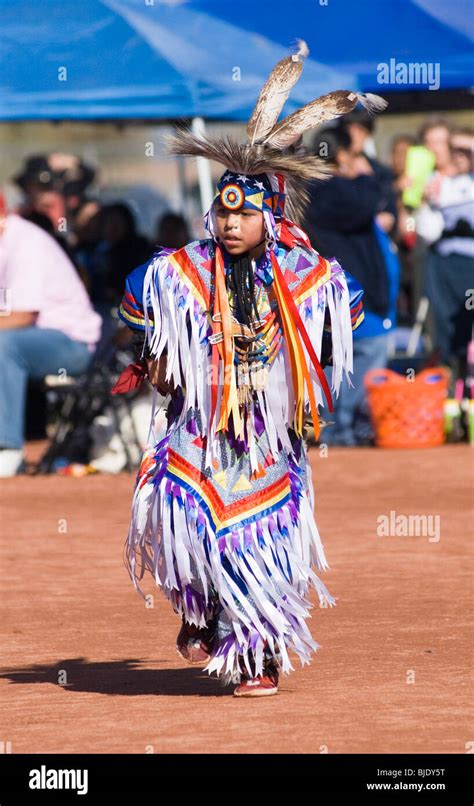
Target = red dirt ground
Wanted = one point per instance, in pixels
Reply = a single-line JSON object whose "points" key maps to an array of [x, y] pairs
{"points": [[403, 612]]}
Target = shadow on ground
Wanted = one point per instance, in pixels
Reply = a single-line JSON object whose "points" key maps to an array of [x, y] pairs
{"points": [[123, 677]]}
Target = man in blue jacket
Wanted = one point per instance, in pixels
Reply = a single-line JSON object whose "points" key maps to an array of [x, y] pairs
{"points": [[347, 218]]}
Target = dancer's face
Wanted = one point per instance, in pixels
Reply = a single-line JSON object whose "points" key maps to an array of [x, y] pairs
{"points": [[240, 231]]}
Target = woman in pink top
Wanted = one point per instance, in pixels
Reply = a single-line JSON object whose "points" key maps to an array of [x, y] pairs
{"points": [[47, 324]]}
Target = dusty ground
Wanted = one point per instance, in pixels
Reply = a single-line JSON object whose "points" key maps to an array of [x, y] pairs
{"points": [[87, 668]]}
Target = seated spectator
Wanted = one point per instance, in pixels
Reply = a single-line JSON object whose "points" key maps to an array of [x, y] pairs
{"points": [[43, 221], [90, 251], [47, 324], [172, 231], [125, 248]]}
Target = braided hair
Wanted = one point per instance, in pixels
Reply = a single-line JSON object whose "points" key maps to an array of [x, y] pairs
{"points": [[240, 279]]}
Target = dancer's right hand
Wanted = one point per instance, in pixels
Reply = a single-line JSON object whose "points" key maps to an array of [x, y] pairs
{"points": [[156, 375]]}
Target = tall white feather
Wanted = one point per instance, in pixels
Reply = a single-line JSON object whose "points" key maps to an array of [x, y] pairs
{"points": [[274, 93], [327, 107]]}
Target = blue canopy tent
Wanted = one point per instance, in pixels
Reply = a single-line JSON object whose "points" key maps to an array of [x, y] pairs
{"points": [[169, 59]]}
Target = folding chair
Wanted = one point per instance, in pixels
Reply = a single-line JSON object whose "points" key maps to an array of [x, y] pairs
{"points": [[80, 399]]}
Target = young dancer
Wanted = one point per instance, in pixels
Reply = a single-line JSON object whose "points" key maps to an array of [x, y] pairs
{"points": [[237, 328]]}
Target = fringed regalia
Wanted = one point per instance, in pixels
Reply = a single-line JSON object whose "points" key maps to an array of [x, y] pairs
{"points": [[222, 514]]}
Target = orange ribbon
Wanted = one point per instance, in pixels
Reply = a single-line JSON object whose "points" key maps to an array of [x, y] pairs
{"points": [[224, 347], [292, 322], [222, 317]]}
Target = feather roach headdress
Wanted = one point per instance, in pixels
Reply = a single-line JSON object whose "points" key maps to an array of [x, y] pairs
{"points": [[272, 148], [268, 173]]}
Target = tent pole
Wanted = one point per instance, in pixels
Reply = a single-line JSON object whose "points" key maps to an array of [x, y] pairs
{"points": [[183, 205], [203, 168]]}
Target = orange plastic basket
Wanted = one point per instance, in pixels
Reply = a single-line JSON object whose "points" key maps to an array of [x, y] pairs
{"points": [[407, 413]]}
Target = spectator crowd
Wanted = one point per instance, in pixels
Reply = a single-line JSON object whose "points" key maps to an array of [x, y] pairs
{"points": [[405, 231]]}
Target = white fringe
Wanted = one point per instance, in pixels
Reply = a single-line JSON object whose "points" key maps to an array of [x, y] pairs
{"points": [[275, 567], [188, 361], [275, 557], [333, 296]]}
